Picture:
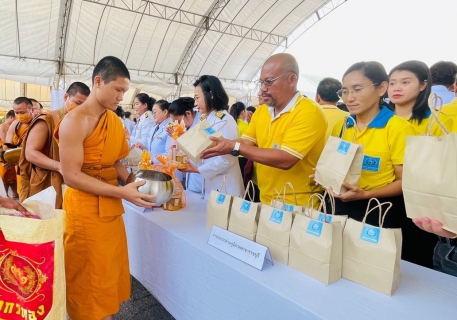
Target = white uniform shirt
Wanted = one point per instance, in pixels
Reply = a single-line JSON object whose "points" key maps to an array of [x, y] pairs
{"points": [[142, 129], [214, 169], [444, 93]]}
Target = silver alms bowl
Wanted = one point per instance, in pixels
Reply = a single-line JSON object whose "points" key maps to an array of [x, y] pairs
{"points": [[158, 184]]}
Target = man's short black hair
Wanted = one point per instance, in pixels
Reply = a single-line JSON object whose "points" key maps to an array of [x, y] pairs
{"points": [[10, 113], [78, 87], [327, 89], [443, 73], [25, 100], [251, 108], [35, 100], [127, 114], [110, 68]]}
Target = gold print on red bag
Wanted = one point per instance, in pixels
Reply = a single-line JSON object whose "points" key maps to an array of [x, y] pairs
{"points": [[21, 275]]}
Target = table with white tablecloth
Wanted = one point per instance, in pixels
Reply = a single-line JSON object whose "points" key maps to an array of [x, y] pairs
{"points": [[169, 255]]}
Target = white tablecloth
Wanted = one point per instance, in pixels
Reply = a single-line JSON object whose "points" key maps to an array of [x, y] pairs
{"points": [[170, 256]]}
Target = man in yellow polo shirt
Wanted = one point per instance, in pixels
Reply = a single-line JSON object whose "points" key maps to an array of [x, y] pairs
{"points": [[285, 137], [327, 97]]}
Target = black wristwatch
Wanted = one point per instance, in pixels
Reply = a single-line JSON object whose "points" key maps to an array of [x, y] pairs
{"points": [[236, 150]]}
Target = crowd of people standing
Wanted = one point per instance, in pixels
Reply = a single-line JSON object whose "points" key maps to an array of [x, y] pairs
{"points": [[81, 144]]}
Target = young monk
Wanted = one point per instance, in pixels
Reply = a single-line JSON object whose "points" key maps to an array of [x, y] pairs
{"points": [[7, 172], [92, 143]]}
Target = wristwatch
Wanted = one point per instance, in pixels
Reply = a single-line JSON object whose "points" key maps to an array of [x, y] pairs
{"points": [[236, 150]]}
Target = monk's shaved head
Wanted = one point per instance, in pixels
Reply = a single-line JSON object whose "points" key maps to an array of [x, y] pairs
{"points": [[285, 62]]}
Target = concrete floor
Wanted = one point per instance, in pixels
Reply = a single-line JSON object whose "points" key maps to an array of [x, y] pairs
{"points": [[142, 306]]}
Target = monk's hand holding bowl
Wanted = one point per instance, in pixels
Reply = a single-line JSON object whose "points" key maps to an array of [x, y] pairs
{"points": [[132, 195]]}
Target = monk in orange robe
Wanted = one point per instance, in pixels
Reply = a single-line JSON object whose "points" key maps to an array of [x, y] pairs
{"points": [[22, 107], [7, 172], [92, 143], [40, 161]]}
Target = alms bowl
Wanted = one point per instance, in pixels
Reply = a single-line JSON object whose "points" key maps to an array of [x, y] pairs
{"points": [[158, 184]]}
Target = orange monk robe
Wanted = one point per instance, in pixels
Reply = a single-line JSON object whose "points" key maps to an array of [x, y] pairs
{"points": [[19, 136], [96, 258], [8, 176], [35, 179]]}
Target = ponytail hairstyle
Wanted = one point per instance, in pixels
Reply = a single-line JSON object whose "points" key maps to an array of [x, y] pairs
{"points": [[144, 98], [236, 109], [180, 106], [163, 104], [422, 72]]}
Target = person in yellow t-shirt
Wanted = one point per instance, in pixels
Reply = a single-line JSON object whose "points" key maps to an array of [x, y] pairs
{"points": [[326, 96], [383, 136], [409, 89], [285, 138], [450, 109]]}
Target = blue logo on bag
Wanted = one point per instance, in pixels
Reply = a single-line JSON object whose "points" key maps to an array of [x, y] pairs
{"points": [[343, 147], [220, 198], [288, 207], [276, 216], [315, 228], [245, 206], [371, 163], [210, 131], [370, 234], [321, 217]]}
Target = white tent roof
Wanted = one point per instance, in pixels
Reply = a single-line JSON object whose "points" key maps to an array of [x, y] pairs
{"points": [[163, 43]]}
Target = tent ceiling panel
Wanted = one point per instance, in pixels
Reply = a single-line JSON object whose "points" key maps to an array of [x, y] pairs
{"points": [[161, 41]]}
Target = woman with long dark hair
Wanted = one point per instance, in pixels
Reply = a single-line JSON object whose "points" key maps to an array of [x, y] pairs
{"points": [[409, 89], [211, 101]]}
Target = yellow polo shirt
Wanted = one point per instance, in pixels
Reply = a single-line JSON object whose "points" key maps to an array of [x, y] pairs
{"points": [[450, 109], [454, 126], [384, 142], [422, 128], [333, 115], [299, 130]]}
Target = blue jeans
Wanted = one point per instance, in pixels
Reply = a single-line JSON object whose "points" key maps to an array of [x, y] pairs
{"points": [[445, 258]]}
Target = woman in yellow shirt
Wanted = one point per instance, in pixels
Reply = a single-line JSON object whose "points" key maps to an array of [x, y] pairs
{"points": [[409, 88], [383, 136]]}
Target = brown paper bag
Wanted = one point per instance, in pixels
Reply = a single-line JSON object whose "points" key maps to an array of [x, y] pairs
{"points": [[196, 139], [218, 208], [430, 177], [330, 216], [316, 246], [279, 197], [274, 231], [371, 255], [340, 161], [244, 215]]}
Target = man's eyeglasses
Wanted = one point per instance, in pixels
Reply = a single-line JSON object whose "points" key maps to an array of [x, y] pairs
{"points": [[343, 93], [269, 82]]}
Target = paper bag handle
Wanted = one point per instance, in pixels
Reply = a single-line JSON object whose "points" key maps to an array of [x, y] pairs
{"points": [[222, 121], [435, 103], [278, 197], [332, 201], [223, 186], [343, 129], [246, 192], [322, 209], [288, 184], [379, 206]]}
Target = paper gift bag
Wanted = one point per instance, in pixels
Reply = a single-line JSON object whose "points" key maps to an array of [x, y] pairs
{"points": [[430, 178], [278, 200], [244, 215], [330, 216], [196, 139], [340, 161], [32, 270], [371, 255], [316, 246], [274, 231], [218, 208]]}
